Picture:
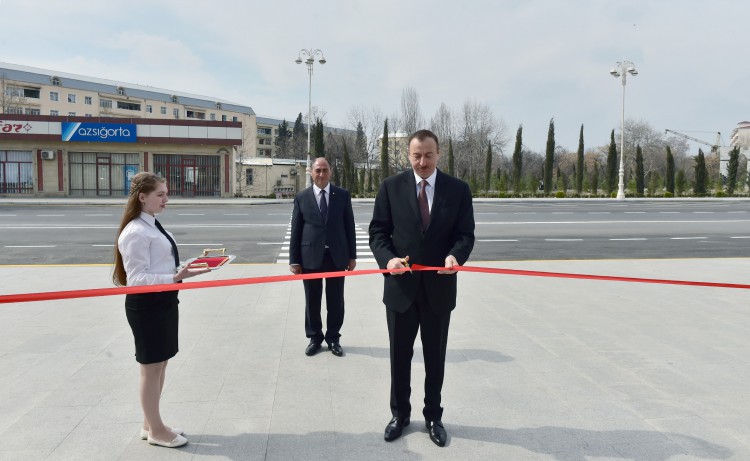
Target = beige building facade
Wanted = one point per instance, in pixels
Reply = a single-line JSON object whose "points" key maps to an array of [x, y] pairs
{"points": [[64, 135]]}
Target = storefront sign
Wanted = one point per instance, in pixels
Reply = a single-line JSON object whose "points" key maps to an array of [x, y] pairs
{"points": [[98, 132], [14, 127]]}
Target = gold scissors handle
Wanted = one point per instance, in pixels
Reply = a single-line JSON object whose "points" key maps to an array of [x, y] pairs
{"points": [[213, 250]]}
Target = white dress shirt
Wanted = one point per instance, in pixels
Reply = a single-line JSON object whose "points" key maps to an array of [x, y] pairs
{"points": [[317, 190], [429, 188], [146, 252]]}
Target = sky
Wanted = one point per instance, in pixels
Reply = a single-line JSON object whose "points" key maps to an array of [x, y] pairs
{"points": [[528, 60]]}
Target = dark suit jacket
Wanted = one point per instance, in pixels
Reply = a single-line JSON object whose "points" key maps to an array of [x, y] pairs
{"points": [[395, 231], [310, 233]]}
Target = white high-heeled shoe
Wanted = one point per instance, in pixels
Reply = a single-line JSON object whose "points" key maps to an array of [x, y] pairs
{"points": [[176, 430], [176, 442]]}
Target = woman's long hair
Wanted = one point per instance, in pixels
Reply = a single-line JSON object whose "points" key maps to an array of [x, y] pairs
{"points": [[145, 183]]}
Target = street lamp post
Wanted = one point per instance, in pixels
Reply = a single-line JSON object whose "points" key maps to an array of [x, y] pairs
{"points": [[622, 69], [310, 55]]}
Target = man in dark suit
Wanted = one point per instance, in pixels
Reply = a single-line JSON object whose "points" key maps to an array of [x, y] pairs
{"points": [[421, 216], [323, 240]]}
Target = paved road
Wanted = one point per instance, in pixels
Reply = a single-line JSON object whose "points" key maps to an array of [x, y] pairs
{"points": [[506, 230]]}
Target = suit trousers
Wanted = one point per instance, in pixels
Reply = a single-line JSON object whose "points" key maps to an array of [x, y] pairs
{"points": [[402, 331], [334, 303]]}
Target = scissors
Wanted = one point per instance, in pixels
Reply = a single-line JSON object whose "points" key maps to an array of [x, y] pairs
{"points": [[405, 262]]}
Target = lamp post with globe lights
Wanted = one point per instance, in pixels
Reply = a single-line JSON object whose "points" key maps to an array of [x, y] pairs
{"points": [[310, 56], [622, 69]]}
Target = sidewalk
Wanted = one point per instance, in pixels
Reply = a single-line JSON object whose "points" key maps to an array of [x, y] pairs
{"points": [[537, 369]]}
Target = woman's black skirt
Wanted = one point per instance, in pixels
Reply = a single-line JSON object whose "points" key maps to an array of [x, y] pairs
{"points": [[154, 319]]}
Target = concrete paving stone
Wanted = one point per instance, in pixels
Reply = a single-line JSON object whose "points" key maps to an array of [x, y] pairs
{"points": [[541, 369], [234, 439]]}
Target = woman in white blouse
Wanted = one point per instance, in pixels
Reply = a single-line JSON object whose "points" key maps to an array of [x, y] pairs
{"points": [[146, 254]]}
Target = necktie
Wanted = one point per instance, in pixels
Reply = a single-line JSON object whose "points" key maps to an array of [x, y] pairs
{"points": [[424, 207], [174, 245], [323, 205]]}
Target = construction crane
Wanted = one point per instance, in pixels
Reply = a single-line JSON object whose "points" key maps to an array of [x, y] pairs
{"points": [[716, 147]]}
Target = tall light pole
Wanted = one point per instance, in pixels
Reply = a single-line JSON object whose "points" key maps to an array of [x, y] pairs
{"points": [[622, 69], [310, 55]]}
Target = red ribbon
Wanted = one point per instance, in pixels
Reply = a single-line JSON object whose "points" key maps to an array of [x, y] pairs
{"points": [[52, 295]]}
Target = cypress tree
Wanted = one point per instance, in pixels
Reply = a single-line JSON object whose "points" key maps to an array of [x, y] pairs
{"points": [[639, 174], [384, 171], [345, 181], [299, 138], [518, 161], [701, 174], [579, 163], [611, 164], [319, 138], [451, 159], [488, 167], [595, 179], [549, 159], [680, 182], [734, 163], [670, 171]]}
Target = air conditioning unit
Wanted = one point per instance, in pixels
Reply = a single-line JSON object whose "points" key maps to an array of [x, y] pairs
{"points": [[48, 155]]}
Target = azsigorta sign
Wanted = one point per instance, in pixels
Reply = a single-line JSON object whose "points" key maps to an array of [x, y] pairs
{"points": [[98, 132]]}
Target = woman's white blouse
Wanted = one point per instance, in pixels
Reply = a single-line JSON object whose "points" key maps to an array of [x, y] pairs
{"points": [[146, 252]]}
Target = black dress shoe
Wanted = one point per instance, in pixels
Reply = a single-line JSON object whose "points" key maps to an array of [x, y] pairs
{"points": [[394, 429], [437, 432], [336, 349], [312, 348]]}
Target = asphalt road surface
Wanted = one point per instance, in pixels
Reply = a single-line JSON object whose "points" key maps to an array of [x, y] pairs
{"points": [[506, 230]]}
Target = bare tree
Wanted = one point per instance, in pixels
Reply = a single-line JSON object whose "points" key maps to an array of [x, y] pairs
{"points": [[372, 119], [411, 114], [11, 97], [476, 127]]}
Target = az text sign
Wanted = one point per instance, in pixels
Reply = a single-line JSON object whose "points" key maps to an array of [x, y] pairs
{"points": [[98, 132]]}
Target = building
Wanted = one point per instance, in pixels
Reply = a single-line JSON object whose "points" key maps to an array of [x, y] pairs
{"points": [[272, 177], [741, 137], [71, 135], [398, 150]]}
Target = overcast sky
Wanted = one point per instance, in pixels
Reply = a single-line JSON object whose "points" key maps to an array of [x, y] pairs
{"points": [[528, 60]]}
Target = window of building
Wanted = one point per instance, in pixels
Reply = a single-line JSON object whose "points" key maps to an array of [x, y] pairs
{"points": [[213, 116], [16, 172], [164, 110], [54, 113], [121, 91], [20, 92], [218, 105], [56, 81], [88, 115], [195, 114], [149, 108], [103, 174], [15, 110], [105, 103], [71, 114], [30, 111], [174, 99], [264, 131], [234, 119], [223, 118], [87, 100], [176, 113], [248, 176], [190, 175], [71, 98], [128, 105], [54, 96]]}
